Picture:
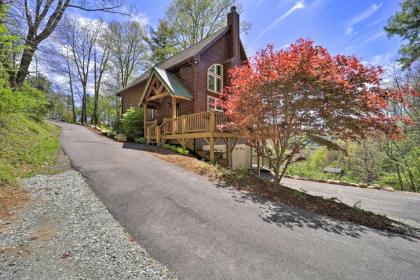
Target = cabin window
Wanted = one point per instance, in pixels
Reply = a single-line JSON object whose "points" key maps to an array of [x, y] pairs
{"points": [[151, 114], [215, 78], [214, 104]]}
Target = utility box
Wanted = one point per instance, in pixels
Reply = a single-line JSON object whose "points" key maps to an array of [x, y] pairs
{"points": [[241, 155]]}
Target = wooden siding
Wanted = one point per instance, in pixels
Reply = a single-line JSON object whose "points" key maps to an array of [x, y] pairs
{"points": [[131, 97], [218, 53], [185, 74]]}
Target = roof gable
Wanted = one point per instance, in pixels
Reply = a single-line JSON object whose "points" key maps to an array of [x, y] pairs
{"points": [[170, 82], [173, 84], [183, 55]]}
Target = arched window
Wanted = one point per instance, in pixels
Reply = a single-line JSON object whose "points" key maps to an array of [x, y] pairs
{"points": [[215, 78]]}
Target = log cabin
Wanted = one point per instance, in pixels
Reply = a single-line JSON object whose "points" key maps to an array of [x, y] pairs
{"points": [[181, 95]]}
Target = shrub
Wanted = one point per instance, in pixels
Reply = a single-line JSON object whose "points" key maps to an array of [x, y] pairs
{"points": [[176, 149], [116, 126], [132, 123], [140, 140]]}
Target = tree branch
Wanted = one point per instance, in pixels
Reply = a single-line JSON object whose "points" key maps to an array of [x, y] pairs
{"points": [[110, 10]]}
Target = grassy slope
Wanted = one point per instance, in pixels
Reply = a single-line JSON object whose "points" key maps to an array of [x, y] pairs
{"points": [[27, 147]]}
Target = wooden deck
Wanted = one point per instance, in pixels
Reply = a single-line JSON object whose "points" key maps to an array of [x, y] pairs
{"points": [[204, 125]]}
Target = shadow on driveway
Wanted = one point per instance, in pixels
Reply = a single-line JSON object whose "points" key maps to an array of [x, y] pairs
{"points": [[284, 215], [292, 217]]}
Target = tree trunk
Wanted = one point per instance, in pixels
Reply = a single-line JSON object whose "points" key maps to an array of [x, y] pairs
{"points": [[73, 109], [258, 165], [95, 109], [84, 105], [399, 176], [27, 55]]}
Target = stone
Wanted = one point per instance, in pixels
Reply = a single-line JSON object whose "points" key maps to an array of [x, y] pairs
{"points": [[121, 138], [110, 134], [333, 170], [374, 186], [333, 182]]}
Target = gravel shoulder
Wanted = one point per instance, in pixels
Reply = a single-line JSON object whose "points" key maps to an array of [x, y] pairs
{"points": [[66, 232]]}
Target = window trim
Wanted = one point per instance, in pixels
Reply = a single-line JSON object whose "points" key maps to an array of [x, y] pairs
{"points": [[216, 101], [215, 76]]}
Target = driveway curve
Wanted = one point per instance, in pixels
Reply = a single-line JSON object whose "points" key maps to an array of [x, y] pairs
{"points": [[200, 231]]}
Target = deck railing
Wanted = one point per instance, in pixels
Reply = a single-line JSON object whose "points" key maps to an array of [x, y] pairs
{"points": [[193, 123], [151, 131]]}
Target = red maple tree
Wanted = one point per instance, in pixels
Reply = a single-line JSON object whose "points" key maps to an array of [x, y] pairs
{"points": [[283, 100]]}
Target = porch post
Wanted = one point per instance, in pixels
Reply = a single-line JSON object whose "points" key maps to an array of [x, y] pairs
{"points": [[228, 153], [211, 149], [145, 118], [212, 121], [212, 129], [173, 114]]}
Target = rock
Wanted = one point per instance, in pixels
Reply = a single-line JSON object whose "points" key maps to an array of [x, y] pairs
{"points": [[362, 185], [121, 138], [333, 170], [390, 189], [110, 134], [65, 255], [374, 186], [333, 182]]}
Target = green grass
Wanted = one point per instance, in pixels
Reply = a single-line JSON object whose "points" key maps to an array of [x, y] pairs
{"points": [[27, 147], [304, 170], [177, 149]]}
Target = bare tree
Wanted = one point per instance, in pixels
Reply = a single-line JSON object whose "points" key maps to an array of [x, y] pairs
{"points": [[40, 18], [128, 49], [100, 64], [70, 76], [58, 60], [80, 40]]}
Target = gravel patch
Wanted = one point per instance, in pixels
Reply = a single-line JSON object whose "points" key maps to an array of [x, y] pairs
{"points": [[67, 233]]}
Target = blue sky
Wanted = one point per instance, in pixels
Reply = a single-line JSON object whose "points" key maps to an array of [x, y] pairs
{"points": [[343, 26]]}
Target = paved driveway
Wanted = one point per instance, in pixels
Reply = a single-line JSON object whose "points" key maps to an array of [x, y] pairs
{"points": [[200, 231], [402, 206]]}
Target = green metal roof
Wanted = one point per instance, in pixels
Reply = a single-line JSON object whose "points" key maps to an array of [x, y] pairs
{"points": [[172, 83]]}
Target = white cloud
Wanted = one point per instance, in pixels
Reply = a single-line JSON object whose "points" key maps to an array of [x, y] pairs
{"points": [[82, 20], [381, 59], [58, 79], [297, 6], [361, 17], [141, 18], [378, 35]]}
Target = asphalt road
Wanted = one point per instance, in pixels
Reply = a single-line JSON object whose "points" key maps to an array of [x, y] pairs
{"points": [[201, 231], [403, 206]]}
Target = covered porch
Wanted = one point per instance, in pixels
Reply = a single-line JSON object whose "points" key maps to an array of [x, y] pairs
{"points": [[165, 120], [204, 126]]}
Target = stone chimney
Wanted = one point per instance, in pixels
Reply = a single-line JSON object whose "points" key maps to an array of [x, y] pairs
{"points": [[233, 23]]}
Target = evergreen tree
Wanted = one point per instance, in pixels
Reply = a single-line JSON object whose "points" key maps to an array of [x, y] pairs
{"points": [[406, 23], [162, 42]]}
